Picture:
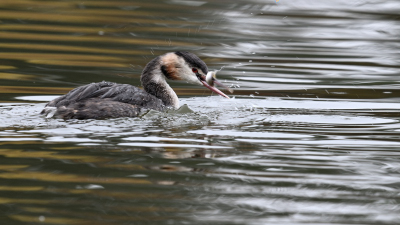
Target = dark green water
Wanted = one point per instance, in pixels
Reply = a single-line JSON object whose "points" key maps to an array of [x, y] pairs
{"points": [[310, 136]]}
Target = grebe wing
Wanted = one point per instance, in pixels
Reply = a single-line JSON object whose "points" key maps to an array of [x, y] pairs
{"points": [[133, 95], [112, 91], [92, 90], [103, 100]]}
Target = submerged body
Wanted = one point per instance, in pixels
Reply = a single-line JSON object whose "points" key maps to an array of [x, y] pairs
{"points": [[110, 100]]}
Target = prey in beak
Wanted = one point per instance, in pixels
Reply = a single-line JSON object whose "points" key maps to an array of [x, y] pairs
{"points": [[211, 78], [209, 81]]}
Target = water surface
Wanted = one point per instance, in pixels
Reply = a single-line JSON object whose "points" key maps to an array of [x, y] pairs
{"points": [[311, 134]]}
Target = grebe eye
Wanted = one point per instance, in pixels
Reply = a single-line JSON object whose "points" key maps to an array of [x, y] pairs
{"points": [[194, 70]]}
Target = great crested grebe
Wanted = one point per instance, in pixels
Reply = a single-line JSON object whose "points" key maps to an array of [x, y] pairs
{"points": [[107, 100]]}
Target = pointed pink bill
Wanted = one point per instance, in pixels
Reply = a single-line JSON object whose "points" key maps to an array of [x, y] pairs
{"points": [[222, 85], [213, 89]]}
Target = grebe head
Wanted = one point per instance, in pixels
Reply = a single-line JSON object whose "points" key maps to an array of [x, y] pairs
{"points": [[187, 67]]}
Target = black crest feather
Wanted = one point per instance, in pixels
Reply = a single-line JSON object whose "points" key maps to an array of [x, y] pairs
{"points": [[193, 60]]}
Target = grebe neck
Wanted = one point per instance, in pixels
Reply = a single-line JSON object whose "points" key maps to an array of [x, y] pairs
{"points": [[154, 83]]}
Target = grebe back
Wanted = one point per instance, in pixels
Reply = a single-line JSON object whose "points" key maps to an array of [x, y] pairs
{"points": [[109, 100]]}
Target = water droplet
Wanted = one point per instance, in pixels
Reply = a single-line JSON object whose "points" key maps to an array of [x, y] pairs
{"points": [[101, 32], [251, 95], [42, 218], [256, 92], [244, 72], [250, 60]]}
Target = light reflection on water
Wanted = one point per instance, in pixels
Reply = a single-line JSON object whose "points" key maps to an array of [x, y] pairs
{"points": [[310, 135]]}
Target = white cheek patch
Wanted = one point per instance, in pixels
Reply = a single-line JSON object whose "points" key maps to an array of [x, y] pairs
{"points": [[186, 73]]}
